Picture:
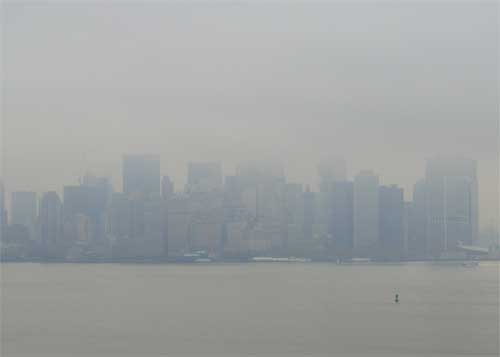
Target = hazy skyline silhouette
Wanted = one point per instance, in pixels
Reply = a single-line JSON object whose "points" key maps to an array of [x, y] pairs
{"points": [[385, 86]]}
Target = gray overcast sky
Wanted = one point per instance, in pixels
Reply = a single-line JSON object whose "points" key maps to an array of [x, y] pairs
{"points": [[385, 85]]}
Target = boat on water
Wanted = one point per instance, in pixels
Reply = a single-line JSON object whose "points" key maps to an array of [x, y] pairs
{"points": [[195, 257], [361, 260], [470, 264], [280, 260]]}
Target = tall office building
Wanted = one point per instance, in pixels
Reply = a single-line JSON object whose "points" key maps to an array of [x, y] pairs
{"points": [[294, 210], [152, 240], [141, 175], [24, 210], [206, 226], [391, 221], [263, 191], [309, 214], [452, 203], [331, 170], [418, 224], [366, 214], [3, 220], [204, 177], [50, 221], [120, 217], [167, 188], [180, 219], [342, 221], [91, 199]]}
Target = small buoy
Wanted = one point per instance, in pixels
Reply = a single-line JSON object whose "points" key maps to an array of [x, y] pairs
{"points": [[396, 299]]}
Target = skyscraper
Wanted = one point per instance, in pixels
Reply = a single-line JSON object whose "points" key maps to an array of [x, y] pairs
{"points": [[331, 170], [391, 220], [178, 228], [452, 190], [167, 188], [50, 219], [418, 222], [309, 214], [3, 221], [204, 176], [366, 214], [263, 189], [152, 240], [141, 175], [90, 199], [342, 220], [24, 210]]}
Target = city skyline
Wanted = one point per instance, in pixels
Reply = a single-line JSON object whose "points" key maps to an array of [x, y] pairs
{"points": [[199, 82], [255, 212], [486, 221], [251, 177]]}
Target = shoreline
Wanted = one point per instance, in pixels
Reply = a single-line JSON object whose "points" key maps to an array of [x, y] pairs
{"points": [[240, 261]]}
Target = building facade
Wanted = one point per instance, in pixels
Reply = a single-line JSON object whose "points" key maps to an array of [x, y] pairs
{"points": [[141, 175], [366, 214], [452, 203]]}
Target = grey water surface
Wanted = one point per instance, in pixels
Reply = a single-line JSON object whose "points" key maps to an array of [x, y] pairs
{"points": [[262, 309]]}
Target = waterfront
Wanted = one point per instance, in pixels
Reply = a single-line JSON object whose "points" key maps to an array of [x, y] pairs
{"points": [[250, 309]]}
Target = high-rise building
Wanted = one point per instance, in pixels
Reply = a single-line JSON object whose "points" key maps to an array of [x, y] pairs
{"points": [[167, 188], [391, 221], [3, 216], [51, 223], [309, 214], [418, 224], [154, 238], [263, 191], [24, 210], [206, 225], [120, 218], [452, 191], [331, 170], [204, 177], [179, 223], [407, 210], [91, 199], [141, 175], [366, 214], [342, 222]]}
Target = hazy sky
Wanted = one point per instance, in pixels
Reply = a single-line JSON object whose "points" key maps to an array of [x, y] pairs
{"points": [[385, 85]]}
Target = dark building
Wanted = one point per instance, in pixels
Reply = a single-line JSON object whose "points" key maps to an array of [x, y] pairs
{"points": [[17, 234], [330, 171], [51, 224], [391, 213], [24, 210], [3, 215], [342, 222], [418, 223], [141, 175], [204, 176], [167, 188], [89, 200], [294, 206], [309, 214], [366, 214]]}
